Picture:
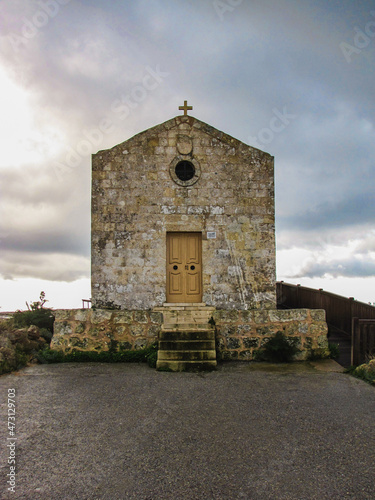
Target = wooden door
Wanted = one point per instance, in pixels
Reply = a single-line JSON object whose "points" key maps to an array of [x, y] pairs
{"points": [[184, 267]]}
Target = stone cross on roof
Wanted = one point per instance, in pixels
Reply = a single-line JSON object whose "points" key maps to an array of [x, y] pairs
{"points": [[185, 108]]}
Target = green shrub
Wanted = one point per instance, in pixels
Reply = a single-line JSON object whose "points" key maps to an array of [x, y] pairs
{"points": [[113, 346], [319, 353], [147, 355], [331, 352], [152, 355], [18, 346], [366, 371], [21, 357], [277, 349], [42, 318], [47, 355], [334, 350], [46, 334]]}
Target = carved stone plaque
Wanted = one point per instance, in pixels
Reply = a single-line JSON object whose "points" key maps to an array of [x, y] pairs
{"points": [[184, 145]]}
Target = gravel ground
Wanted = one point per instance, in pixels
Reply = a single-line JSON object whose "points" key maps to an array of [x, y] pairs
{"points": [[252, 431]]}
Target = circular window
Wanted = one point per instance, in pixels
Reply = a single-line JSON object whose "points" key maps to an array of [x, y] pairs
{"points": [[185, 170]]}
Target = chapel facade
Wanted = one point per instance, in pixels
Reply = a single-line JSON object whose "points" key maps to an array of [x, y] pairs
{"points": [[183, 213], [183, 253]]}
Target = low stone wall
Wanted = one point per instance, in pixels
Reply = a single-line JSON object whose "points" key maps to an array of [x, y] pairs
{"points": [[240, 333], [98, 330]]}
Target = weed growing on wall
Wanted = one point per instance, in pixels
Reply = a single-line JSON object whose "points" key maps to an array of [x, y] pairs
{"points": [[277, 349], [332, 352]]}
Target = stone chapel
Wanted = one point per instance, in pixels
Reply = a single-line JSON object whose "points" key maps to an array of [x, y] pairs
{"points": [[183, 252], [183, 213]]}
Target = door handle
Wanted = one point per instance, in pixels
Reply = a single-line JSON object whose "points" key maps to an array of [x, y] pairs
{"points": [[186, 267]]}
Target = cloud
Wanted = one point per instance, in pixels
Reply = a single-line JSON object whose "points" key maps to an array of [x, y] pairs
{"points": [[353, 267], [357, 209], [367, 245], [47, 266], [44, 225]]}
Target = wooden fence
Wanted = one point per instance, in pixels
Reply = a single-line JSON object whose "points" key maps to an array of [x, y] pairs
{"points": [[340, 313]]}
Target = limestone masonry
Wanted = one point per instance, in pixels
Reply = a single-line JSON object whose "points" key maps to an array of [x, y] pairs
{"points": [[238, 333], [137, 199]]}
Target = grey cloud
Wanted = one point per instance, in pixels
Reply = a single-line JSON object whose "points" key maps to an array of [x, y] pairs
{"points": [[367, 245], [358, 209], [318, 239], [71, 242], [352, 268], [41, 215], [52, 267]]}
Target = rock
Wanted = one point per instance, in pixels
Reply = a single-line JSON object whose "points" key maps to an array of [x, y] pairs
{"points": [[33, 332], [17, 347]]}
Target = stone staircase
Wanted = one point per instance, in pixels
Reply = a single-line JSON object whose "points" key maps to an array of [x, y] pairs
{"points": [[187, 339]]}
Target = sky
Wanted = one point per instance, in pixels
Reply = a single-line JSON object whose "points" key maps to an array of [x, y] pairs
{"points": [[294, 78]]}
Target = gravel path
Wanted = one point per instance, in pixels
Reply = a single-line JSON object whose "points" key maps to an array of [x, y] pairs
{"points": [[245, 431]]}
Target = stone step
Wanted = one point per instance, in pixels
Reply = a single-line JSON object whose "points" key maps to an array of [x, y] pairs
{"points": [[186, 316], [186, 366], [186, 355], [187, 327], [187, 306], [170, 335], [187, 345], [187, 339], [188, 322]]}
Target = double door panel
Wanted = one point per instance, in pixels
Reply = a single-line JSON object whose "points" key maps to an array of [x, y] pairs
{"points": [[184, 267]]}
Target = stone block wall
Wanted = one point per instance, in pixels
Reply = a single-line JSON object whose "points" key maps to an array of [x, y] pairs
{"points": [[240, 333], [136, 200], [95, 330]]}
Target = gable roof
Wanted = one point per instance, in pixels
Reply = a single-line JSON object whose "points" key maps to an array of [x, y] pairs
{"points": [[194, 123]]}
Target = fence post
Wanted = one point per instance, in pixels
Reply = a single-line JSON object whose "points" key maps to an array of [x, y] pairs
{"points": [[355, 342], [279, 294], [351, 307], [371, 344], [320, 298]]}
